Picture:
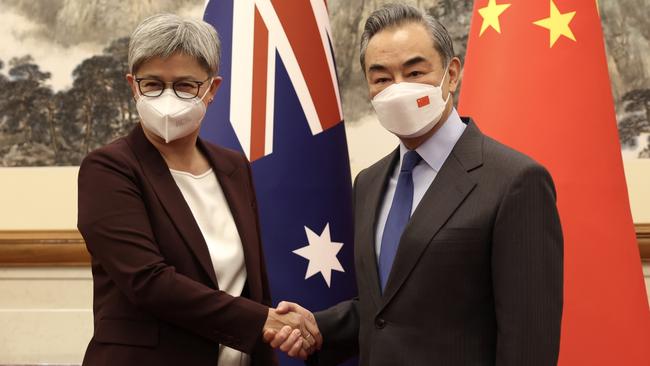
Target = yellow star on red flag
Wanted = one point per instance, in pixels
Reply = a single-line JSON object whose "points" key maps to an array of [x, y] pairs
{"points": [[557, 24], [491, 14]]}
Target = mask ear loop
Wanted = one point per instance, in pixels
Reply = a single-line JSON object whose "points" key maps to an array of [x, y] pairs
{"points": [[208, 89], [443, 81], [137, 91]]}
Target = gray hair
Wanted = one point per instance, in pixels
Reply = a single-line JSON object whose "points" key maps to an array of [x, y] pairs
{"points": [[392, 15], [165, 34]]}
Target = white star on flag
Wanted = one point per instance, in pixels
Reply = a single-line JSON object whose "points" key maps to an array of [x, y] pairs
{"points": [[321, 254]]}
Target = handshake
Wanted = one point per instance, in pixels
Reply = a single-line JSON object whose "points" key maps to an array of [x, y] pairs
{"points": [[292, 329]]}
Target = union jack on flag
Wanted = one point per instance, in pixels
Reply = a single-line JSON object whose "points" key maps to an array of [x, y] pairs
{"points": [[279, 104]]}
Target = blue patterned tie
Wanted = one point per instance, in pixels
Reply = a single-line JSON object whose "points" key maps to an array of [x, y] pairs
{"points": [[398, 216]]}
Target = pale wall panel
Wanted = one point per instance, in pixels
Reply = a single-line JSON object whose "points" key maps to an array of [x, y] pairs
{"points": [[45, 315], [54, 288], [38, 198]]}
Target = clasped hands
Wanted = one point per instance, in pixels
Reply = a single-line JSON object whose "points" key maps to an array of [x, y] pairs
{"points": [[292, 329]]}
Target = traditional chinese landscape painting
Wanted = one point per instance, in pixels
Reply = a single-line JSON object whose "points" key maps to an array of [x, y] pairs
{"points": [[62, 67]]}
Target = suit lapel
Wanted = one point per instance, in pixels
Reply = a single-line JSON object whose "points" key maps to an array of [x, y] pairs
{"points": [[235, 184], [370, 208], [449, 189], [171, 198]]}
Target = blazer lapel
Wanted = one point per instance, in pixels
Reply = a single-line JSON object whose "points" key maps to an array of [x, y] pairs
{"points": [[160, 178], [235, 184], [370, 211], [448, 190]]}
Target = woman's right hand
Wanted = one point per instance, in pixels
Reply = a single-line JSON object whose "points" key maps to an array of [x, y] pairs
{"points": [[291, 332]]}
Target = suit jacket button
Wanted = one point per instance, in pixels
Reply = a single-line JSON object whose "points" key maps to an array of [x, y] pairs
{"points": [[380, 323]]}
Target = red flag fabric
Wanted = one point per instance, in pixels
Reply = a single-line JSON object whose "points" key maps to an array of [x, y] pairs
{"points": [[536, 78]]}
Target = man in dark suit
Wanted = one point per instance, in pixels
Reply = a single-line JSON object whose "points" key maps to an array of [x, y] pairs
{"points": [[458, 243]]}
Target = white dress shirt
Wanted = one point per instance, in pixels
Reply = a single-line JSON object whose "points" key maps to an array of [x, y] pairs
{"points": [[211, 211], [434, 151]]}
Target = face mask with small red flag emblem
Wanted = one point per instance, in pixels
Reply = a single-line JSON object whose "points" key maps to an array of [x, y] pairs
{"points": [[410, 109]]}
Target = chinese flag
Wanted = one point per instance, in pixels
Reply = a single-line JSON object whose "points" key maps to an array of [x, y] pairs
{"points": [[536, 79]]}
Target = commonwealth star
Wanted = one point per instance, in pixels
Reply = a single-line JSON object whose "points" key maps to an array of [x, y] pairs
{"points": [[321, 253]]}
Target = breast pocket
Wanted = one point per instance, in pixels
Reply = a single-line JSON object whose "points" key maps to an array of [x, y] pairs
{"points": [[460, 235], [460, 247], [128, 332]]}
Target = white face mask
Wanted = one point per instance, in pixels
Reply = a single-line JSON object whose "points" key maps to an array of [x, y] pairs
{"points": [[169, 116], [410, 109]]}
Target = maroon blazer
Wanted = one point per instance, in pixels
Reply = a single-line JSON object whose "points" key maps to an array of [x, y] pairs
{"points": [[156, 296]]}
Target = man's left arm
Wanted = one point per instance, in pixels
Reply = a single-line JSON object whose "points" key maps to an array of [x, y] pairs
{"points": [[527, 271]]}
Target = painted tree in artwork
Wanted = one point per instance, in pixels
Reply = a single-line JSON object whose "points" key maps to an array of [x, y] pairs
{"points": [[92, 89], [3, 82], [635, 120], [120, 90], [105, 110], [41, 127], [28, 125]]}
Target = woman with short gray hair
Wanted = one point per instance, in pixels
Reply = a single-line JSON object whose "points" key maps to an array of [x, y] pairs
{"points": [[171, 222]]}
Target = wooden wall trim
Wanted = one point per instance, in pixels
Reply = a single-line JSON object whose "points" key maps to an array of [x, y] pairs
{"points": [[643, 237], [23, 248]]}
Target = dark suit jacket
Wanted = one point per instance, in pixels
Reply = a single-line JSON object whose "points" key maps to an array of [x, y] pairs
{"points": [[477, 279], [156, 296]]}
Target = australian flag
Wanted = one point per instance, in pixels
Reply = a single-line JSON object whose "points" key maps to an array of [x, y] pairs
{"points": [[279, 104]]}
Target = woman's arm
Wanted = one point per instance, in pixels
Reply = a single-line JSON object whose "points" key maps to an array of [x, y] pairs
{"points": [[114, 223]]}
